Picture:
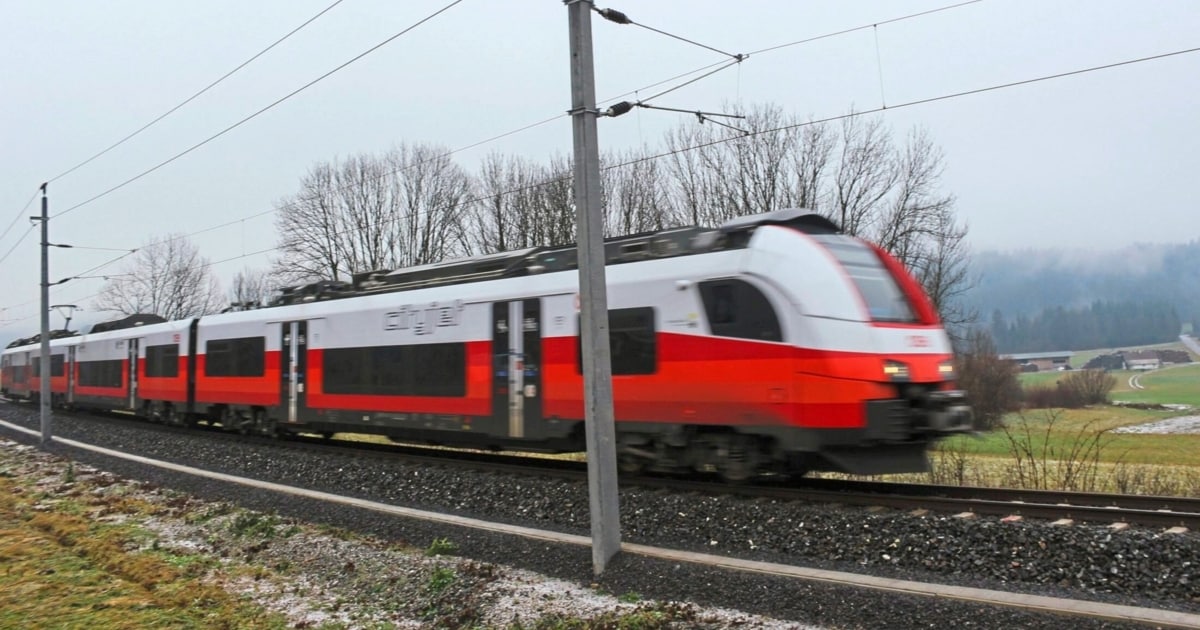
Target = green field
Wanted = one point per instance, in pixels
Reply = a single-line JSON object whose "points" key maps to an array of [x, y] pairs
{"points": [[1170, 385], [1077, 449], [1179, 385], [1062, 431]]}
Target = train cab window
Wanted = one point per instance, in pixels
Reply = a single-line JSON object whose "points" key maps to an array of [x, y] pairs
{"points": [[736, 308], [884, 299], [101, 373], [162, 361], [235, 357], [631, 340]]}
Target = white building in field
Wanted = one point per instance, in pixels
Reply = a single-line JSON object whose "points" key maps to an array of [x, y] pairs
{"points": [[1142, 360]]}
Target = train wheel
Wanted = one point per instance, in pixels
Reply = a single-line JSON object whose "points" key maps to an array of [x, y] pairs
{"points": [[168, 416], [264, 424], [233, 420], [741, 459], [630, 464]]}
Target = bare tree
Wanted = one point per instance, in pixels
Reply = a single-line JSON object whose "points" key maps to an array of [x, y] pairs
{"points": [[719, 172], [167, 277], [854, 174], [521, 204], [991, 382], [943, 269], [808, 163], [433, 193], [368, 212], [865, 176], [251, 288], [308, 225], [634, 194]]}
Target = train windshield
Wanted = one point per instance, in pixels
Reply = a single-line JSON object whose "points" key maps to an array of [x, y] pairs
{"points": [[884, 299]]}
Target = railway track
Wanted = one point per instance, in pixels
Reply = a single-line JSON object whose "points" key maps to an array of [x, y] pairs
{"points": [[1053, 505], [934, 593]]}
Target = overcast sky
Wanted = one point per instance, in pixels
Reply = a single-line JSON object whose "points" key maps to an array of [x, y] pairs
{"points": [[1102, 159]]}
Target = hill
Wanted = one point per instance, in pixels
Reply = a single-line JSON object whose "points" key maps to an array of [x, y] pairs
{"points": [[1039, 300]]}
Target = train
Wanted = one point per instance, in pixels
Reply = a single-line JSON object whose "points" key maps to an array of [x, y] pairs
{"points": [[772, 344]]}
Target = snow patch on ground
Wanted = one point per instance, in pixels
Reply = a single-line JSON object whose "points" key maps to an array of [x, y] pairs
{"points": [[1181, 424]]}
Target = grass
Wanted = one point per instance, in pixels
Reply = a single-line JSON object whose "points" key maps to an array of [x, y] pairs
{"points": [[65, 566], [1172, 385], [441, 547], [1077, 449], [1040, 379], [1178, 449]]}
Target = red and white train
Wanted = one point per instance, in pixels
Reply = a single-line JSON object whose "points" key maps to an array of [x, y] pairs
{"points": [[774, 343]]}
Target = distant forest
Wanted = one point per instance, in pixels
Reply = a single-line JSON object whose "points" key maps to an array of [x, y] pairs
{"points": [[1039, 300]]}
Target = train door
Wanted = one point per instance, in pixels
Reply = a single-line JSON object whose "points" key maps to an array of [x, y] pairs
{"points": [[69, 370], [294, 366], [133, 373], [517, 369]]}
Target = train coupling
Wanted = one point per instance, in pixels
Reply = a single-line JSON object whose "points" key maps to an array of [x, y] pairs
{"points": [[948, 412]]}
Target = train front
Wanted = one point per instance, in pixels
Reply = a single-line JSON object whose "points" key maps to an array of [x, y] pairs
{"points": [[874, 379]]}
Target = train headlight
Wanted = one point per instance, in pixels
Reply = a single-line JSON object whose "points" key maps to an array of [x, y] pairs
{"points": [[946, 370], [895, 370]]}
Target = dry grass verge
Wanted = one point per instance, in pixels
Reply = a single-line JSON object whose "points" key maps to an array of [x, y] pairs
{"points": [[81, 548]]}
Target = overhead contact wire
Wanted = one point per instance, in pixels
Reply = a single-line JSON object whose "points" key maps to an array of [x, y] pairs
{"points": [[724, 65], [19, 214], [197, 94], [923, 101], [257, 113], [17, 244], [783, 128]]}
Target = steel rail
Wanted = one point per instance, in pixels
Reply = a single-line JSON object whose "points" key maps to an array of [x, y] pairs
{"points": [[1143, 510], [1062, 607]]}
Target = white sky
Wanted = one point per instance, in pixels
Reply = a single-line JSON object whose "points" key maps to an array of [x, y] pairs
{"points": [[1103, 159]]}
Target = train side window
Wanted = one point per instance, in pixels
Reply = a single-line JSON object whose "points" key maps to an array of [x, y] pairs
{"points": [[101, 373], [632, 342], [235, 357], [736, 308], [438, 369], [56, 365], [162, 361]]}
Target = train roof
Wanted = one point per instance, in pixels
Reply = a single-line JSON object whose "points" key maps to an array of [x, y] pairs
{"points": [[54, 334], [682, 241], [131, 321]]}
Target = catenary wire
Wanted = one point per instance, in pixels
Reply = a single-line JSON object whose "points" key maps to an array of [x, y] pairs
{"points": [[863, 27], [620, 96], [923, 101], [618, 17], [19, 213], [723, 64], [197, 94], [257, 113], [17, 244], [854, 114], [74, 276], [782, 128], [786, 127]]}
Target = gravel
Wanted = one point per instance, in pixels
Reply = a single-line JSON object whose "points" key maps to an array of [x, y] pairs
{"points": [[1141, 567]]}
